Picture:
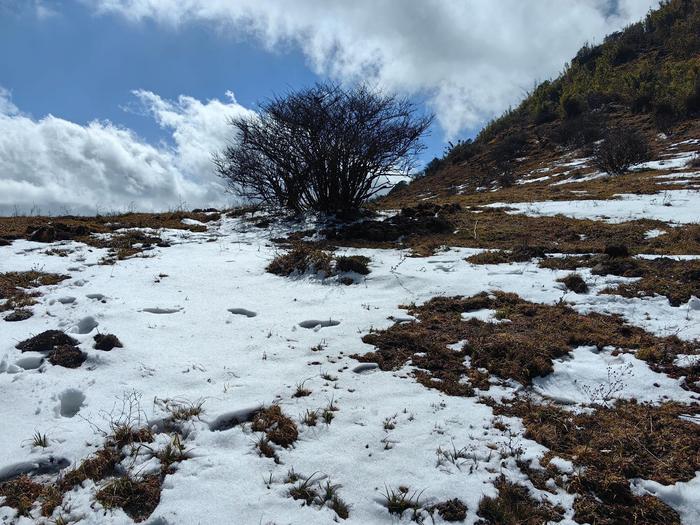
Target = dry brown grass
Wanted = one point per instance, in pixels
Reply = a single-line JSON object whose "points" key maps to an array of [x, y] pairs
{"points": [[677, 280], [515, 506], [495, 229], [615, 444], [520, 349], [20, 494], [76, 227], [300, 259], [138, 498], [278, 428], [15, 287]]}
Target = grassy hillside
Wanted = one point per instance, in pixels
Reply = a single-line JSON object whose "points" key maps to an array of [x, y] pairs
{"points": [[646, 76]]}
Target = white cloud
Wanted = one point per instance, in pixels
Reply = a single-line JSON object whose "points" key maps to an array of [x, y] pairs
{"points": [[473, 58], [58, 166]]}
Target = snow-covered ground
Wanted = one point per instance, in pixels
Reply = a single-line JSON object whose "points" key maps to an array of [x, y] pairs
{"points": [[172, 309], [672, 206]]}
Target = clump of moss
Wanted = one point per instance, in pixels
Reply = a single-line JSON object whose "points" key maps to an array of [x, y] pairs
{"points": [[67, 356]]}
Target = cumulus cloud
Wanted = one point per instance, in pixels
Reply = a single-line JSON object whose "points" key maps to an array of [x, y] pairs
{"points": [[52, 165], [471, 58]]}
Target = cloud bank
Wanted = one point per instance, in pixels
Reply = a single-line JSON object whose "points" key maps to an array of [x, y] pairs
{"points": [[52, 165], [470, 58]]}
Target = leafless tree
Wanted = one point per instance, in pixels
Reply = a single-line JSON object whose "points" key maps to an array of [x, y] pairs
{"points": [[323, 148]]}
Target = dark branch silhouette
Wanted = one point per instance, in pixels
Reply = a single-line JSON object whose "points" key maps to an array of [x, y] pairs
{"points": [[324, 148]]}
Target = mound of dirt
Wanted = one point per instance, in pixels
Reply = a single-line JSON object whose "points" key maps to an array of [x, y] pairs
{"points": [[45, 341], [107, 342], [67, 356]]}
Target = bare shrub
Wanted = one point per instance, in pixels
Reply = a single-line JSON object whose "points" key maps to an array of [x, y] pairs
{"points": [[323, 148], [620, 149]]}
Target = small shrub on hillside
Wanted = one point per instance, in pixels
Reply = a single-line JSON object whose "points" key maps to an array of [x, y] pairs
{"points": [[511, 147], [620, 149], [572, 106], [578, 131], [575, 283]]}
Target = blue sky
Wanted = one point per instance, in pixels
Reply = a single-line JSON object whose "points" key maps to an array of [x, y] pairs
{"points": [[118, 104], [81, 66]]}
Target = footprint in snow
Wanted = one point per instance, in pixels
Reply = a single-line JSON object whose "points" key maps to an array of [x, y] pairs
{"points": [[317, 325], [43, 465], [365, 367], [70, 402], [86, 325], [242, 311], [162, 310]]}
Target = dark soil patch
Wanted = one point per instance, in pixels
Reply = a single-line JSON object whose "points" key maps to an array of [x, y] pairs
{"points": [[122, 245], [278, 428], [67, 356], [46, 341], [615, 444], [522, 348], [515, 506], [107, 342]]}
